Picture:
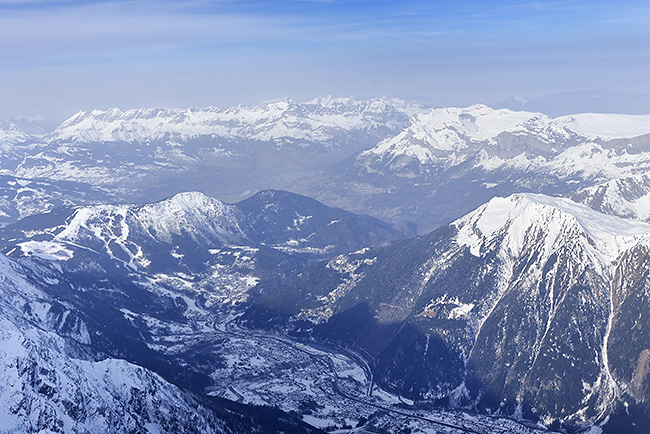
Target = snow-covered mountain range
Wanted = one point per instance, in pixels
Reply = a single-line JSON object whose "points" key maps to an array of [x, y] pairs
{"points": [[149, 154], [447, 137], [321, 122], [385, 157], [521, 307], [461, 157]]}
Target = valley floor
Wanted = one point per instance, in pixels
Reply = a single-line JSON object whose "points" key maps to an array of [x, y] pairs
{"points": [[331, 388]]}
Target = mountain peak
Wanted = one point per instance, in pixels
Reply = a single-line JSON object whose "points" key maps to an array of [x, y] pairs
{"points": [[191, 199], [521, 217], [520, 99]]}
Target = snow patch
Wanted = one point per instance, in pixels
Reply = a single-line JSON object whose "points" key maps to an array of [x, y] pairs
{"points": [[515, 215], [606, 126], [49, 250]]}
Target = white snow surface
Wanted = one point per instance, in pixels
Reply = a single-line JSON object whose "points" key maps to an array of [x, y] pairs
{"points": [[46, 250], [449, 136], [312, 121], [193, 214], [517, 216], [449, 130], [606, 126]]}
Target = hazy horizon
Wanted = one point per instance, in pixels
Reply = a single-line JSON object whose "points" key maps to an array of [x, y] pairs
{"points": [[69, 55], [630, 105]]}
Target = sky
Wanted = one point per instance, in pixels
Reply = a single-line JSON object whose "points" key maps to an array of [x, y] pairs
{"points": [[59, 57]]}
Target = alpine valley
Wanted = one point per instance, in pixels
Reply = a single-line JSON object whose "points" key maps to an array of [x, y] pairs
{"points": [[340, 265]]}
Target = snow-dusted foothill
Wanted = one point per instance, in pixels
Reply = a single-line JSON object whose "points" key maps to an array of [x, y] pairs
{"points": [[207, 248]]}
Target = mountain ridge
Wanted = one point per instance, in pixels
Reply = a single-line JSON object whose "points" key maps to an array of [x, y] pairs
{"points": [[266, 122], [361, 151]]}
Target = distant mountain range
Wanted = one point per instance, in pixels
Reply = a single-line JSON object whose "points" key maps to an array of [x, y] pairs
{"points": [[592, 101], [149, 154], [385, 157], [449, 161]]}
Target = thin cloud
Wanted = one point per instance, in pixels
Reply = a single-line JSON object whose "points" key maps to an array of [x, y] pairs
{"points": [[55, 54], [93, 30]]}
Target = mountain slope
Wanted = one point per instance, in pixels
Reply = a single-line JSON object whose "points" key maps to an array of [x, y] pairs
{"points": [[275, 219], [627, 197], [509, 309], [54, 381], [216, 251]]}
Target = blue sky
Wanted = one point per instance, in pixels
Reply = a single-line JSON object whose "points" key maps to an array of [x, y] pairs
{"points": [[58, 57]]}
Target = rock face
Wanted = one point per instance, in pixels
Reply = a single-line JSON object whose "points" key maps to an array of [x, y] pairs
{"points": [[528, 306]]}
